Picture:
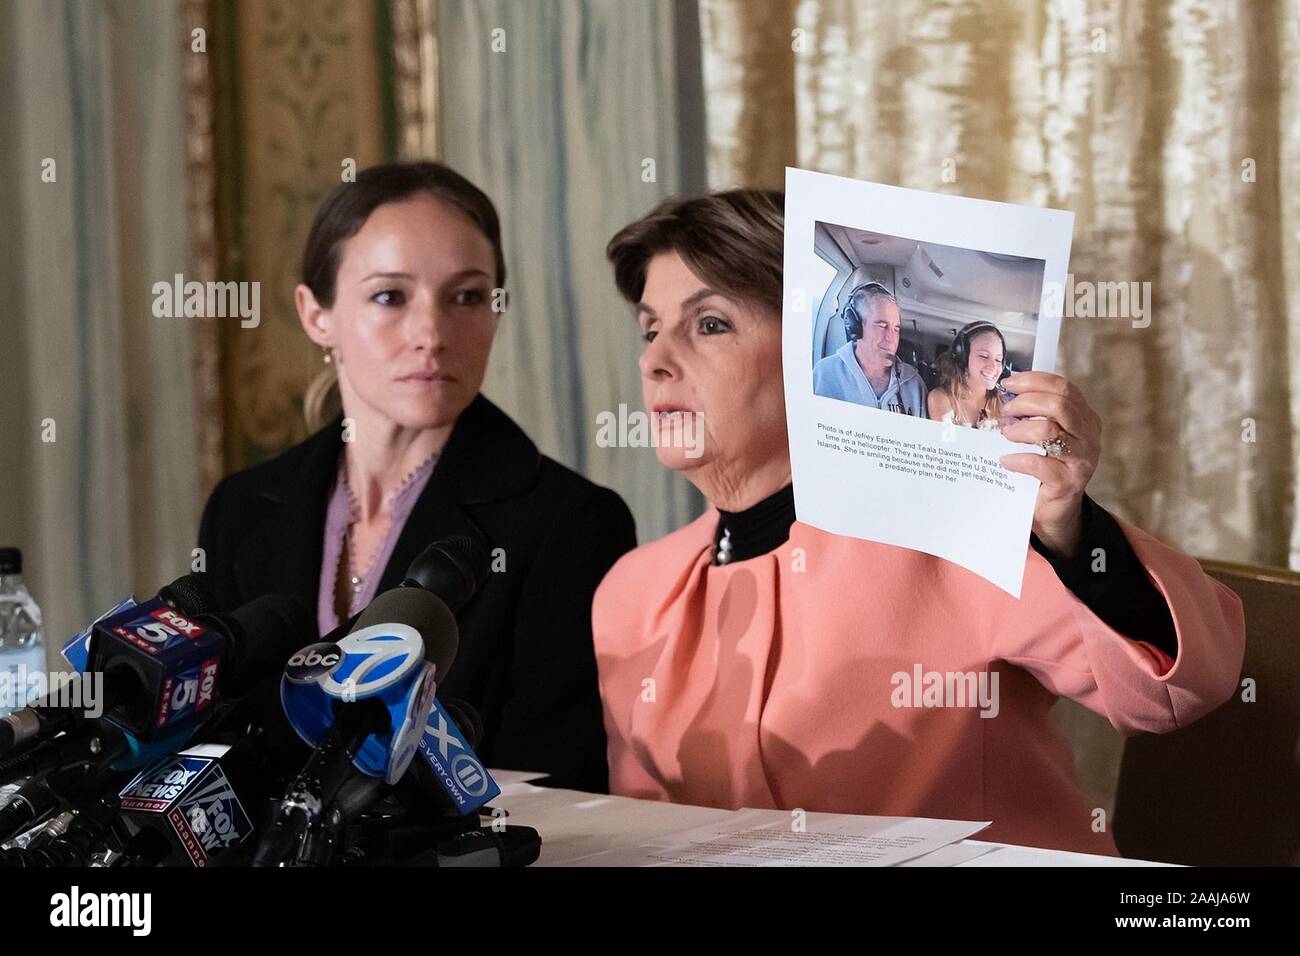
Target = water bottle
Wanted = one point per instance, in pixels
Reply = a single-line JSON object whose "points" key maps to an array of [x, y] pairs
{"points": [[22, 653]]}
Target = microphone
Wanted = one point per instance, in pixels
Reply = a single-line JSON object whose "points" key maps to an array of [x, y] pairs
{"points": [[36, 800], [56, 793], [381, 656], [162, 670], [190, 807], [159, 667], [95, 742], [448, 765], [81, 745], [453, 568], [256, 636], [444, 576], [260, 636], [74, 847], [54, 828], [363, 701], [188, 594], [85, 828], [195, 808], [448, 770], [411, 817]]}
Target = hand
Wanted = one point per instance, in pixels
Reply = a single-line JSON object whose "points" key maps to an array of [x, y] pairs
{"points": [[1065, 414]]}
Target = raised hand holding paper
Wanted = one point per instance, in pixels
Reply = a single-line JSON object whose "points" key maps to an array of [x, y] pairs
{"points": [[906, 313]]}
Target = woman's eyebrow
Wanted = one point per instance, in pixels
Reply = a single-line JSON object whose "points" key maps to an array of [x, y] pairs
{"points": [[462, 274], [466, 273], [692, 300], [697, 297], [388, 275]]}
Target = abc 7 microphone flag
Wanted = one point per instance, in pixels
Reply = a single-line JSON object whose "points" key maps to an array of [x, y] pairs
{"points": [[386, 660]]}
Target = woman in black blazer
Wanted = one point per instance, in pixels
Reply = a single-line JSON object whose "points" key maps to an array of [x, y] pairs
{"points": [[402, 284]]}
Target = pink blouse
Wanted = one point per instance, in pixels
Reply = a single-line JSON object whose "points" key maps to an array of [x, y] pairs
{"points": [[340, 512], [841, 675]]}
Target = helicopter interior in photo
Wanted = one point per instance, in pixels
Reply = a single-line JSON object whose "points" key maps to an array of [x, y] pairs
{"points": [[939, 289]]}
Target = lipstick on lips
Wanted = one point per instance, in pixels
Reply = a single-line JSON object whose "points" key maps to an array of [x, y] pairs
{"points": [[667, 412], [426, 376]]}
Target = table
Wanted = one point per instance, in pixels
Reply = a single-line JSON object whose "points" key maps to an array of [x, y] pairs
{"points": [[575, 825]]}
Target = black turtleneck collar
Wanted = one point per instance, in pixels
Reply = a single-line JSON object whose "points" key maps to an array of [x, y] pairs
{"points": [[759, 528]]}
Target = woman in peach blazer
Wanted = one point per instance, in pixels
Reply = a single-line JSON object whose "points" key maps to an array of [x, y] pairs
{"points": [[748, 660]]}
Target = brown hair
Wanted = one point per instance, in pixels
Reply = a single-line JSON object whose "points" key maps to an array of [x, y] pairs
{"points": [[345, 211], [732, 240]]}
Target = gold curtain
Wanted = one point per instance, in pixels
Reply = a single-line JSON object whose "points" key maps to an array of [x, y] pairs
{"points": [[289, 95], [287, 91], [1170, 128]]}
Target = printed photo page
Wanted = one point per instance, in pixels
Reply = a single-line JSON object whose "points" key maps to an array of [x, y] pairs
{"points": [[904, 313]]}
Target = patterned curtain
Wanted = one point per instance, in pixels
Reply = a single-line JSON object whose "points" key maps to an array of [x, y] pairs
{"points": [[575, 116], [552, 108], [1170, 127], [97, 426], [298, 89]]}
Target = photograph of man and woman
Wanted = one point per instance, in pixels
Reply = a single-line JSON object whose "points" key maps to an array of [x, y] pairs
{"points": [[923, 329]]}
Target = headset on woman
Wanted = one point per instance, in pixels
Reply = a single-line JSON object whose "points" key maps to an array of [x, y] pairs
{"points": [[960, 350]]}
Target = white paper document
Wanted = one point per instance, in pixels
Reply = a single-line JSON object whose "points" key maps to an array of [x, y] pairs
{"points": [[774, 838], [904, 311], [508, 778]]}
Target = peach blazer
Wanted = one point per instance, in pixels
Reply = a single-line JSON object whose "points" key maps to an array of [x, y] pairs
{"points": [[774, 682]]}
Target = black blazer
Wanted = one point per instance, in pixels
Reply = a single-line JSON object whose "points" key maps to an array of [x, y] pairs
{"points": [[526, 660]]}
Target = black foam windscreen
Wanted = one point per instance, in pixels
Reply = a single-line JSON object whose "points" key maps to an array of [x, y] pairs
{"points": [[453, 568], [190, 595], [269, 628]]}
